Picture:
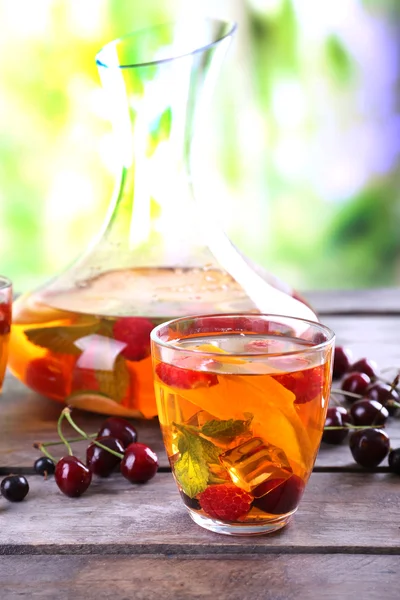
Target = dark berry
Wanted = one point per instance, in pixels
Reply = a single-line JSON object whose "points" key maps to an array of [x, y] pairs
{"points": [[100, 461], [365, 365], [341, 361], [14, 488], [139, 464], [369, 447], [356, 383], [394, 461], [336, 416], [118, 428], [44, 466], [368, 412], [384, 394], [72, 476], [279, 499], [190, 502]]}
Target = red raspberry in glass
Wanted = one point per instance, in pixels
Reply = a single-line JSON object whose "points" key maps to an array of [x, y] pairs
{"points": [[5, 318], [46, 375], [135, 333], [226, 502], [184, 379], [305, 385]]}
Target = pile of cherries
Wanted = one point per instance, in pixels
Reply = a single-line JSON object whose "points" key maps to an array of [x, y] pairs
{"points": [[115, 447], [372, 402]]}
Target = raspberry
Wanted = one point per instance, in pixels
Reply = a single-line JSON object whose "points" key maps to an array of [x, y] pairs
{"points": [[135, 333], [279, 499], [47, 376], [5, 318], [226, 502], [184, 379], [306, 385]]}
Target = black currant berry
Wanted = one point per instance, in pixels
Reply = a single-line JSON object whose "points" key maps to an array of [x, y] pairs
{"points": [[44, 466], [14, 488]]}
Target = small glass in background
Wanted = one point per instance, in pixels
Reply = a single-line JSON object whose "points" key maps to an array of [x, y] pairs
{"points": [[5, 323]]}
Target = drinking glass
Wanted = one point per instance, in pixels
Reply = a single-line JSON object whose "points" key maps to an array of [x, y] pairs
{"points": [[5, 323], [242, 402]]}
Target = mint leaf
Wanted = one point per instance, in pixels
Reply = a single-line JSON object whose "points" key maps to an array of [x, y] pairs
{"points": [[226, 429], [61, 339], [191, 470], [114, 383], [210, 452]]}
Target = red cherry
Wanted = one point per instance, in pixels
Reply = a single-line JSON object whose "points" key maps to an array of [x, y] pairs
{"points": [[341, 361], [365, 365], [279, 499], [100, 461], [356, 383], [46, 375], [368, 412], [369, 447], [383, 393], [139, 464], [119, 428], [336, 416], [135, 333], [72, 476], [184, 379]]}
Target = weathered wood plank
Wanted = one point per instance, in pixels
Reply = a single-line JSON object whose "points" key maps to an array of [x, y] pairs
{"points": [[356, 302], [279, 577], [26, 418], [340, 513], [375, 337]]}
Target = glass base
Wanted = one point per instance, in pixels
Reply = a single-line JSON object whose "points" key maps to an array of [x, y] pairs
{"points": [[255, 528]]}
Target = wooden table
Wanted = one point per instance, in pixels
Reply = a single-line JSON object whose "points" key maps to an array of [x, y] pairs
{"points": [[121, 541]]}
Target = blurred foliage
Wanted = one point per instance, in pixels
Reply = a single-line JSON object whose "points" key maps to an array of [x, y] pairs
{"points": [[303, 145]]}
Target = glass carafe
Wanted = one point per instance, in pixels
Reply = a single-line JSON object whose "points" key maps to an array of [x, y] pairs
{"points": [[83, 338]]}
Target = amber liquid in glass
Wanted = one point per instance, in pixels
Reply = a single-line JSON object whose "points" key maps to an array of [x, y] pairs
{"points": [[90, 343], [229, 421]]}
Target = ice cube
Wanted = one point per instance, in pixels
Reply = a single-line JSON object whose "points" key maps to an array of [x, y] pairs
{"points": [[253, 462]]}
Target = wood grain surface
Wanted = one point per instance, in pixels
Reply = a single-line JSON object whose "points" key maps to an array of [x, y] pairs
{"points": [[225, 577], [356, 302], [340, 512], [121, 541]]}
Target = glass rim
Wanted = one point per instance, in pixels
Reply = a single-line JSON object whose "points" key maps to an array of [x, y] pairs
{"points": [[196, 50], [257, 354], [5, 282]]}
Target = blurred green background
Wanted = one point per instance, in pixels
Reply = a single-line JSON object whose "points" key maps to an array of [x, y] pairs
{"points": [[303, 145]]}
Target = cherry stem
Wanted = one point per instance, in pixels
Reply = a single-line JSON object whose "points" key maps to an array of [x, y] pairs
{"points": [[341, 427], [67, 413], [60, 433], [393, 403], [70, 441], [45, 452], [345, 393], [395, 382]]}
